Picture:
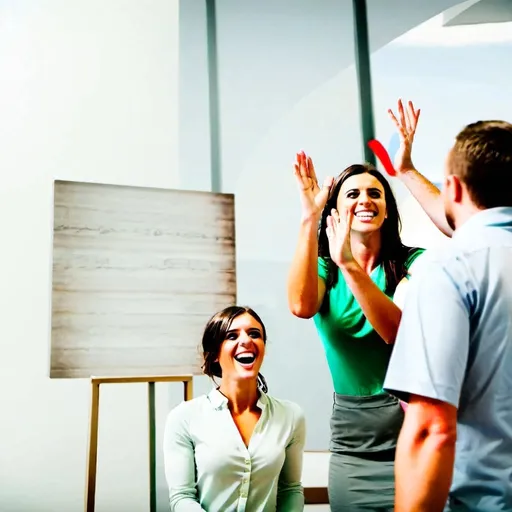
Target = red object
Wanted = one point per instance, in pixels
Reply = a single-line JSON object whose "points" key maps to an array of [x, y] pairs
{"points": [[380, 152]]}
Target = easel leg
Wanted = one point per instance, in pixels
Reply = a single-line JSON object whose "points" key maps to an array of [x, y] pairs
{"points": [[152, 446], [92, 455], [187, 390]]}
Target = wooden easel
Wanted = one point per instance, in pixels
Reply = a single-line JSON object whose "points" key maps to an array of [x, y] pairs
{"points": [[92, 453]]}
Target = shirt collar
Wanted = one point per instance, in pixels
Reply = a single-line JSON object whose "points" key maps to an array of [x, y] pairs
{"points": [[219, 401], [491, 217]]}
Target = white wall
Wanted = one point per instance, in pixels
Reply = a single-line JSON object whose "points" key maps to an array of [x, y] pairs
{"points": [[88, 91]]}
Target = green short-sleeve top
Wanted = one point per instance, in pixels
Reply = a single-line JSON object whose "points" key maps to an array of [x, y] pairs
{"points": [[356, 355]]}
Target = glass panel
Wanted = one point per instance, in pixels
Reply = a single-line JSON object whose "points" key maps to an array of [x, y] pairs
{"points": [[286, 83], [455, 73]]}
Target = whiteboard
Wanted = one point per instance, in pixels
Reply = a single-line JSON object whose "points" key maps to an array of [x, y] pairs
{"points": [[137, 272]]}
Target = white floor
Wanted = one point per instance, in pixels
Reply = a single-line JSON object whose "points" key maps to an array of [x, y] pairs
{"points": [[315, 474]]}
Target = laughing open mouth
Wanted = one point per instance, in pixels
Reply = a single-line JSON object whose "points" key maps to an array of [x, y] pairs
{"points": [[245, 358]]}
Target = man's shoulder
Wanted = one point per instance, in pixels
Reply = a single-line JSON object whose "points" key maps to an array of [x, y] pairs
{"points": [[450, 254], [442, 271], [441, 255]]}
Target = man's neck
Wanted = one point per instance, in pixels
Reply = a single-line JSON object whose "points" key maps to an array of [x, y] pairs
{"points": [[465, 213]]}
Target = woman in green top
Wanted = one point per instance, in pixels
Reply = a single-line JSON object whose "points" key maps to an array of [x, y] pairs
{"points": [[348, 264]]}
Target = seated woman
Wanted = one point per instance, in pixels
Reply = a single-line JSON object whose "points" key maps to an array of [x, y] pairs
{"points": [[237, 448]]}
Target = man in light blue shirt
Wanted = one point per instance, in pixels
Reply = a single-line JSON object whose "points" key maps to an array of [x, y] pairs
{"points": [[452, 359]]}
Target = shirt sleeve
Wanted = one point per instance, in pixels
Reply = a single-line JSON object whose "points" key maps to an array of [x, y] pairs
{"points": [[431, 349], [179, 462], [290, 493]]}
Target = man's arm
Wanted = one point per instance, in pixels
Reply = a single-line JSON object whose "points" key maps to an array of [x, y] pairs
{"points": [[425, 456], [425, 192]]}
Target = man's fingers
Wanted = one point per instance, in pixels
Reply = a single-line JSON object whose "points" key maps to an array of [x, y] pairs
{"points": [[415, 113], [401, 129], [401, 113], [411, 108], [393, 118], [413, 116], [411, 122]]}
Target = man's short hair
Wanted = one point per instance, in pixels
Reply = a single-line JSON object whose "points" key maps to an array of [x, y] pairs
{"points": [[482, 159]]}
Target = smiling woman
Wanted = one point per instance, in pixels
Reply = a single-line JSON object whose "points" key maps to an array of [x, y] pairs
{"points": [[237, 448], [347, 267]]}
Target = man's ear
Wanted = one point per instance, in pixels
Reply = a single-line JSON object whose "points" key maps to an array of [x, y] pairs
{"points": [[454, 188]]}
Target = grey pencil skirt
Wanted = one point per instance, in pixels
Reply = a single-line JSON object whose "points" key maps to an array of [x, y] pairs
{"points": [[364, 433]]}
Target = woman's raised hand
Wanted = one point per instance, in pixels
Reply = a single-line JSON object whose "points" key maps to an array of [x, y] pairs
{"points": [[338, 233], [312, 197]]}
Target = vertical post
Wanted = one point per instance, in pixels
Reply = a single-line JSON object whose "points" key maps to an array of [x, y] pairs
{"points": [[362, 51], [187, 390], [213, 93], [92, 454], [152, 446]]}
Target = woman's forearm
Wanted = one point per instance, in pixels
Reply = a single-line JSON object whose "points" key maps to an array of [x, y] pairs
{"points": [[303, 277], [382, 313]]}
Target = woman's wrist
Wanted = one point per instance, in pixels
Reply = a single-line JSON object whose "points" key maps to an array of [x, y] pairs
{"points": [[310, 219], [349, 267]]}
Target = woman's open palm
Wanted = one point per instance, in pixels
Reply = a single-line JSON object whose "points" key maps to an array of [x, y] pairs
{"points": [[406, 124], [338, 234], [313, 198]]}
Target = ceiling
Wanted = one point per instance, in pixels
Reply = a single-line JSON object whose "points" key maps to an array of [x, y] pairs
{"points": [[476, 12]]}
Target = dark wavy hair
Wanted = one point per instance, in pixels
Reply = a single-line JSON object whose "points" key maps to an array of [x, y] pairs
{"points": [[215, 334], [393, 253]]}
